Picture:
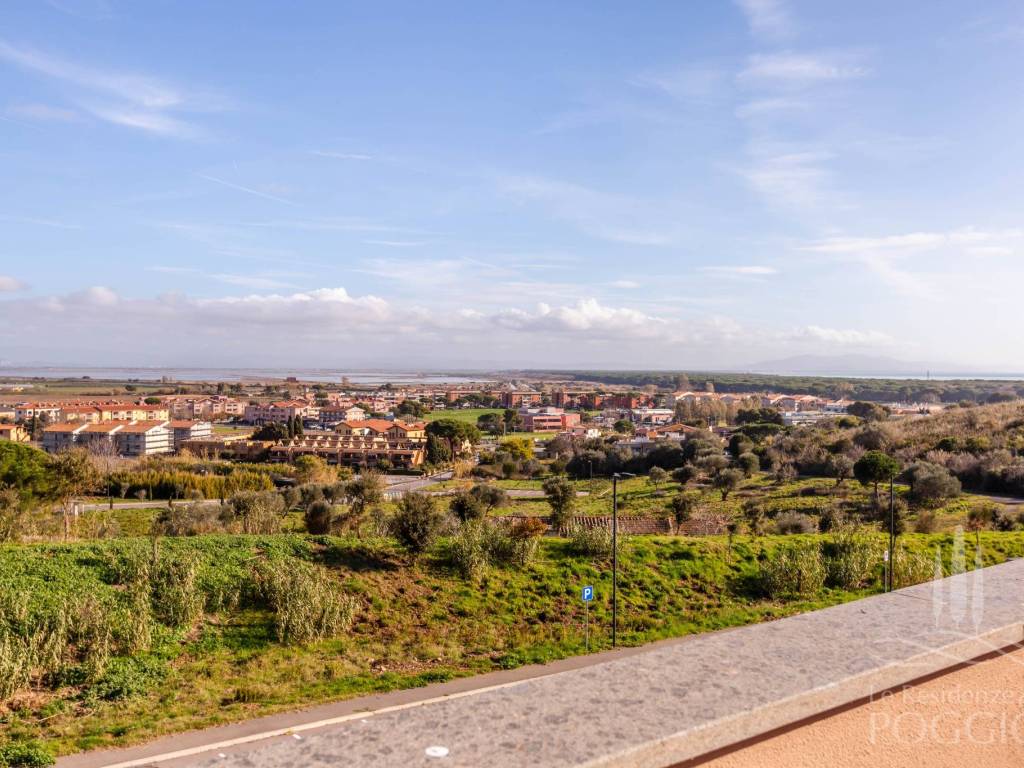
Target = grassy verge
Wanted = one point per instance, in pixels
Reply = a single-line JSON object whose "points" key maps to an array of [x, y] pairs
{"points": [[415, 622]]}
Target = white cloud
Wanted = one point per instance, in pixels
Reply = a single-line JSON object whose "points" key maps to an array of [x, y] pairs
{"points": [[843, 337], [921, 241], [624, 284], [799, 69], [926, 264], [395, 243], [768, 18], [748, 270], [792, 179], [11, 284], [256, 282], [122, 98]]}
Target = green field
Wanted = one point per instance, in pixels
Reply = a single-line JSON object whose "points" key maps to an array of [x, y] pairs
{"points": [[415, 622], [469, 415]]}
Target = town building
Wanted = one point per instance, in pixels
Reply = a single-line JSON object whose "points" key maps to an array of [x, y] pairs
{"points": [[354, 450], [183, 429], [279, 412], [145, 438], [547, 419], [60, 437], [335, 414], [14, 432]]}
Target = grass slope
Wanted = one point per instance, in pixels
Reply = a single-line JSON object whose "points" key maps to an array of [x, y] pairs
{"points": [[415, 623]]}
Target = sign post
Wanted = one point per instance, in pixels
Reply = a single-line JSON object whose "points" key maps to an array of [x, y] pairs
{"points": [[588, 596]]}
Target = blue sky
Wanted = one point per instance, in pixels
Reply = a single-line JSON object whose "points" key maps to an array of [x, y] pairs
{"points": [[665, 184]]}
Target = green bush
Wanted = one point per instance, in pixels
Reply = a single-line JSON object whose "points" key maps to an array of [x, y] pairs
{"points": [[793, 570], [126, 677], [25, 754], [307, 604], [467, 550], [176, 598], [851, 558], [593, 542], [911, 568]]}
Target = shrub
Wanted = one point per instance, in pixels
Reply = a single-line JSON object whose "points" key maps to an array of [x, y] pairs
{"points": [[593, 541], [748, 463], [307, 604], [318, 517], [467, 552], [684, 474], [188, 520], [417, 522], [125, 677], [25, 754], [926, 522], [794, 522], [466, 506], [930, 483], [513, 542], [911, 568], [561, 495], [851, 558], [254, 513], [794, 570], [176, 598]]}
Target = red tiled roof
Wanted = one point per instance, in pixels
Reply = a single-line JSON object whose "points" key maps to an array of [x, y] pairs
{"points": [[141, 427], [69, 427]]}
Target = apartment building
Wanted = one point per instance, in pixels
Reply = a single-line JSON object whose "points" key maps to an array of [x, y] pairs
{"points": [[101, 438], [122, 438], [182, 430], [28, 411], [279, 412], [335, 414], [203, 408], [547, 419], [353, 450], [145, 438], [398, 430], [60, 437]]}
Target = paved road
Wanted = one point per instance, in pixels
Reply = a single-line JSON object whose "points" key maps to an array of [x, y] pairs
{"points": [[259, 732]]}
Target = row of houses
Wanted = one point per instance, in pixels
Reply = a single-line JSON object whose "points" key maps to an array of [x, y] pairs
{"points": [[124, 438], [56, 412]]}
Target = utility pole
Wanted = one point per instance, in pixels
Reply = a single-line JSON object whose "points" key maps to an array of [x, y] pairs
{"points": [[615, 553]]}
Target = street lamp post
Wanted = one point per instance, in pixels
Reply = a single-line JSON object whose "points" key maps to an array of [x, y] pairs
{"points": [[615, 553], [892, 533]]}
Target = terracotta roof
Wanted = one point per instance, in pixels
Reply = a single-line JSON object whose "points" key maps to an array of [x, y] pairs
{"points": [[105, 427], [141, 427], [69, 427]]}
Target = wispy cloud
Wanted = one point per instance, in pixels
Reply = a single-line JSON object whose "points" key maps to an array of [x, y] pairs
{"points": [[45, 113], [11, 284], [695, 82], [341, 155], [52, 223], [395, 243], [786, 178], [743, 270], [791, 69], [606, 216], [256, 282], [122, 98], [770, 19], [247, 190], [624, 284]]}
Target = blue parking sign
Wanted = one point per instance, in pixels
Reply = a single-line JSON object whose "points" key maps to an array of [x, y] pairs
{"points": [[588, 594]]}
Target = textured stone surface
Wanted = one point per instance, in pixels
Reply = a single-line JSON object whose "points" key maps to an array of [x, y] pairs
{"points": [[677, 702]]}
